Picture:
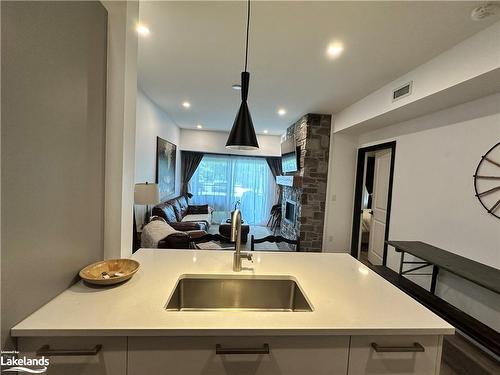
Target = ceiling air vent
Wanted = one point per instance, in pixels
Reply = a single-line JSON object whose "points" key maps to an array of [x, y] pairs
{"points": [[402, 91]]}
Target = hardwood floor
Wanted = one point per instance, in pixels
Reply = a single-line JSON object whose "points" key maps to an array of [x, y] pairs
{"points": [[461, 357]]}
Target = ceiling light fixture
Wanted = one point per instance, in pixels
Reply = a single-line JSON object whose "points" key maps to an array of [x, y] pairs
{"points": [[242, 136], [186, 104], [281, 112], [142, 29], [199, 126], [236, 86], [334, 49], [265, 132]]}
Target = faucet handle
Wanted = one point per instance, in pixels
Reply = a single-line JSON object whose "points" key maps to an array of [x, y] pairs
{"points": [[249, 256]]}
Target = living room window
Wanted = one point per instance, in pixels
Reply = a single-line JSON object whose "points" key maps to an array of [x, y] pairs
{"points": [[222, 181]]}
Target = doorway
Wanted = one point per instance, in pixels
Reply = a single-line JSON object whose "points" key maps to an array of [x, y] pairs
{"points": [[372, 203]]}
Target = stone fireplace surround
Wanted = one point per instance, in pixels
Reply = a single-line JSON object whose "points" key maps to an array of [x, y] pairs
{"points": [[308, 193]]}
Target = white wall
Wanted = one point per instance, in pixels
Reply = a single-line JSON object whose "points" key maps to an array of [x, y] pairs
{"points": [[120, 127], [152, 122], [215, 142], [433, 196], [473, 57], [53, 139], [433, 184], [340, 193]]}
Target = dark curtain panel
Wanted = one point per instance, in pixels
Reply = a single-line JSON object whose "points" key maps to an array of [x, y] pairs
{"points": [[274, 164], [189, 162]]}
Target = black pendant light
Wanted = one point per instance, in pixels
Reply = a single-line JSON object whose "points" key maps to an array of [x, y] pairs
{"points": [[242, 136]]}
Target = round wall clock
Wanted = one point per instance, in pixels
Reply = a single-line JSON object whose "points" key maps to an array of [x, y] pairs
{"points": [[487, 181]]}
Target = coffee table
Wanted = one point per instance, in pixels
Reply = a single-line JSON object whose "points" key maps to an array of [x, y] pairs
{"points": [[225, 230]]}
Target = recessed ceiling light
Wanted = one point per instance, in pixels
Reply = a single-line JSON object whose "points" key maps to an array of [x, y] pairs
{"points": [[199, 126], [186, 104], [281, 112], [236, 86], [142, 29], [265, 132], [334, 49]]}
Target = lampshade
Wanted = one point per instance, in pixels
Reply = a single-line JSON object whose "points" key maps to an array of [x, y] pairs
{"points": [[242, 136], [146, 194]]}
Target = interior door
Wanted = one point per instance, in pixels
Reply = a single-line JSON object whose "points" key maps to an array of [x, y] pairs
{"points": [[382, 172]]}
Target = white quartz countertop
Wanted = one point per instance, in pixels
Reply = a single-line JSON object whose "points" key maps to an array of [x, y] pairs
{"points": [[347, 298]]}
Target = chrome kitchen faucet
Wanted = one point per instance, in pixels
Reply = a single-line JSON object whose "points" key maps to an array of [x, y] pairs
{"points": [[236, 238]]}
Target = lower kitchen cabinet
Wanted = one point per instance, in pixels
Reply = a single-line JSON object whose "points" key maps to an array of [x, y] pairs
{"points": [[78, 355], [290, 355], [395, 355], [252, 355]]}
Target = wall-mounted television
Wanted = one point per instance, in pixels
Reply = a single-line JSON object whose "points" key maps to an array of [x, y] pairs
{"points": [[289, 157]]}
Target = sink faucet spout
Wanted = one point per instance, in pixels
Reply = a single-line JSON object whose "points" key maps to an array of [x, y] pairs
{"points": [[236, 238]]}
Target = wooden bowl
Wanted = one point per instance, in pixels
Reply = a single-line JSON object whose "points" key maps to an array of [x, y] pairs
{"points": [[109, 272]]}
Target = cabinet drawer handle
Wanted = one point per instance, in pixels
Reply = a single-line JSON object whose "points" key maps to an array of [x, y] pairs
{"points": [[46, 351], [416, 347], [220, 350]]}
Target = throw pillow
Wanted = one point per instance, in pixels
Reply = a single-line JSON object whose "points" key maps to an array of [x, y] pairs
{"points": [[198, 209]]}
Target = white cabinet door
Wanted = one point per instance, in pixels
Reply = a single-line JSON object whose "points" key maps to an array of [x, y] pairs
{"points": [[288, 355], [396, 355], [111, 359]]}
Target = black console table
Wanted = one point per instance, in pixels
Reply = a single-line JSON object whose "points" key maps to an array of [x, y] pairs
{"points": [[431, 256], [478, 273]]}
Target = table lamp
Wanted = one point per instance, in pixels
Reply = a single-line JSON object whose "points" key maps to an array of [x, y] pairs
{"points": [[146, 194]]}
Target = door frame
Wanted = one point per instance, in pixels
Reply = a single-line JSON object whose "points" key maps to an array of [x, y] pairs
{"points": [[358, 195]]}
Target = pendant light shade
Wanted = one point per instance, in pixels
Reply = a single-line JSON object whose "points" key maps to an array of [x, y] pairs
{"points": [[242, 136]]}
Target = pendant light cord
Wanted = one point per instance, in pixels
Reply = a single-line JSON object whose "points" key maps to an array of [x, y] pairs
{"points": [[248, 28]]}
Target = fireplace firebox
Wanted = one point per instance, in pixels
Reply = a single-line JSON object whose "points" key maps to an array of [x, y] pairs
{"points": [[290, 211]]}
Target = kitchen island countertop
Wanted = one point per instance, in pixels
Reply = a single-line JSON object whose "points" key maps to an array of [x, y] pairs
{"points": [[347, 299]]}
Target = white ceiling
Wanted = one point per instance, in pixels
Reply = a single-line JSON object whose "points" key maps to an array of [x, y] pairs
{"points": [[195, 52]]}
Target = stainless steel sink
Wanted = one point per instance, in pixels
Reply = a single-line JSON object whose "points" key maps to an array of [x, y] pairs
{"points": [[194, 293]]}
